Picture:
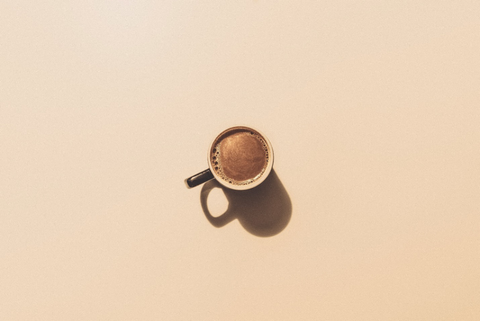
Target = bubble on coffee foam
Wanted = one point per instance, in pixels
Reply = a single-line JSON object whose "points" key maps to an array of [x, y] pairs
{"points": [[215, 160]]}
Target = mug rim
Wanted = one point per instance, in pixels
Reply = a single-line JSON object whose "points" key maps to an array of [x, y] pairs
{"points": [[264, 175]]}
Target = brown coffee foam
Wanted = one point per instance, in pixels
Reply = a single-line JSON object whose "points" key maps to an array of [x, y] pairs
{"points": [[240, 156]]}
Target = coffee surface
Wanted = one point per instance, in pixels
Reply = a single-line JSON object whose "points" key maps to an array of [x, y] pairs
{"points": [[240, 156]]}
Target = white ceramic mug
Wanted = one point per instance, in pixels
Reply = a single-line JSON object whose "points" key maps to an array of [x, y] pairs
{"points": [[239, 158]]}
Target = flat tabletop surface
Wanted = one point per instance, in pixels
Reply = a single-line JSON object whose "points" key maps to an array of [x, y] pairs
{"points": [[372, 211]]}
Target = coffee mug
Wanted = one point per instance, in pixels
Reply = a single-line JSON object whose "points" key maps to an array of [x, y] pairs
{"points": [[239, 158]]}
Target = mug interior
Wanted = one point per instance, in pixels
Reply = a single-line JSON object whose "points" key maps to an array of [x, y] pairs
{"points": [[217, 170]]}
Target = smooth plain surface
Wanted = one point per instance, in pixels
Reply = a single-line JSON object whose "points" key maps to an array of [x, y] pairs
{"points": [[373, 110]]}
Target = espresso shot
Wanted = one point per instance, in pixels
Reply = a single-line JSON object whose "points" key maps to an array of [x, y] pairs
{"points": [[239, 156]]}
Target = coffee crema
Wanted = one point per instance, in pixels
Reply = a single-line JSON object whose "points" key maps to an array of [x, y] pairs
{"points": [[239, 156]]}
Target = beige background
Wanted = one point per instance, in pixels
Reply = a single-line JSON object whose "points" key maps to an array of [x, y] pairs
{"points": [[373, 109]]}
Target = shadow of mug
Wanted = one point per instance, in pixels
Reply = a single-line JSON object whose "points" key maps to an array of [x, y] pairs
{"points": [[264, 210]]}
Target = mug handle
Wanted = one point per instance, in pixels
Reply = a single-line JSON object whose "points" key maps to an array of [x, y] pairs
{"points": [[199, 178]]}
